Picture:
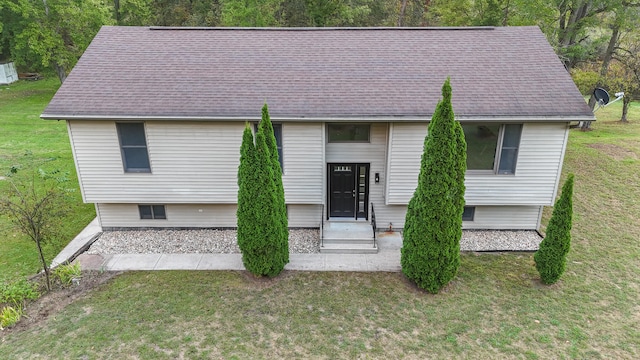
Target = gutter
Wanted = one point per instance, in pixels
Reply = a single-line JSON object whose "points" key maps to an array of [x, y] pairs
{"points": [[361, 118]]}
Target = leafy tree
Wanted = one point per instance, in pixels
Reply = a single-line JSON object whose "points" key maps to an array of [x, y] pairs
{"points": [[551, 257], [470, 12], [625, 78], [430, 254], [577, 19], [253, 13], [36, 208], [52, 32], [133, 12]]}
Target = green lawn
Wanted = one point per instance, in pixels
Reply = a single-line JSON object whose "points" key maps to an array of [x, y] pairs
{"points": [[32, 143], [495, 308]]}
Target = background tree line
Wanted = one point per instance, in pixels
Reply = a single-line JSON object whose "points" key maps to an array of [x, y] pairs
{"points": [[588, 35]]}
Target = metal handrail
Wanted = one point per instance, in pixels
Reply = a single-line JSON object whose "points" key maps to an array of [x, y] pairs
{"points": [[373, 224]]}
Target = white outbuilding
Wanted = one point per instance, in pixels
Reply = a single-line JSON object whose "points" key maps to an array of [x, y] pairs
{"points": [[8, 73]]}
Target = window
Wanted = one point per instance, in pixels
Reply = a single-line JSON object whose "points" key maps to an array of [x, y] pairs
{"points": [[349, 132], [509, 153], [133, 147], [152, 212], [468, 213], [492, 148], [277, 133]]}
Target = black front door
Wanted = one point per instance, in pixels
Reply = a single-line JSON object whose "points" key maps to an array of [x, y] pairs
{"points": [[348, 190]]}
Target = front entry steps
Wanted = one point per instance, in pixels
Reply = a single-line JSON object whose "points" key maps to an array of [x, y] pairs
{"points": [[348, 237]]}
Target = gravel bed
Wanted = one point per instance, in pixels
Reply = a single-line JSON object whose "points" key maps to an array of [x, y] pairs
{"points": [[191, 242], [499, 240], [305, 241]]}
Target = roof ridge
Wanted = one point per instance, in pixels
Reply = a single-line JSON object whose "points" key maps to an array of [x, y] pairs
{"points": [[386, 28]]}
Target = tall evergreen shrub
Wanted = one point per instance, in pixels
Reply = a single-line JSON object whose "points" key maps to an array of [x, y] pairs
{"points": [[430, 254], [247, 214], [551, 257], [266, 128], [259, 229]]}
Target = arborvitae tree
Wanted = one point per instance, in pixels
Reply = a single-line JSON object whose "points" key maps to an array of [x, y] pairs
{"points": [[551, 257], [260, 231], [430, 254], [247, 216], [266, 128]]}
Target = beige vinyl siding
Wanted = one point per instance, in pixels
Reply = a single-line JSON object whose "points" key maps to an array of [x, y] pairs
{"points": [[390, 216], [373, 152], [504, 218], [304, 216], [197, 216], [539, 161], [405, 149], [303, 165], [178, 215], [486, 217], [191, 162]]}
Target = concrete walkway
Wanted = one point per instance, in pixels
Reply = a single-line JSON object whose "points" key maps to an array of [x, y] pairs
{"points": [[387, 258], [79, 244], [384, 260]]}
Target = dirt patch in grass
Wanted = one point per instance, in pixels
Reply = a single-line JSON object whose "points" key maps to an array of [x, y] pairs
{"points": [[58, 298], [615, 151]]}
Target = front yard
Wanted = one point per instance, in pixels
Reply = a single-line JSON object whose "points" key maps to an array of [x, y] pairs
{"points": [[495, 307]]}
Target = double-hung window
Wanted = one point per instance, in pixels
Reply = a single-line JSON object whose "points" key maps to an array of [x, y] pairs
{"points": [[492, 148], [133, 147]]}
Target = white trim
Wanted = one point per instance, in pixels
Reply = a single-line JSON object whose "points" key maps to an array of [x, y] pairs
{"points": [[385, 194], [75, 161], [560, 163], [98, 215], [325, 183], [540, 211]]}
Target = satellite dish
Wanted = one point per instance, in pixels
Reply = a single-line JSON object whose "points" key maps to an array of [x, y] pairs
{"points": [[602, 96]]}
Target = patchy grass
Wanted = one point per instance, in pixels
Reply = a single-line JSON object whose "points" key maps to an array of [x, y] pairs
{"points": [[495, 308], [31, 143]]}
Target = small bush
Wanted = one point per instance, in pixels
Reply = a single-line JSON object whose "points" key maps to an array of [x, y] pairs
{"points": [[9, 316], [66, 273], [17, 292]]}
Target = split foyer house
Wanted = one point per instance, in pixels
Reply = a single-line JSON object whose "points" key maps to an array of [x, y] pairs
{"points": [[155, 119]]}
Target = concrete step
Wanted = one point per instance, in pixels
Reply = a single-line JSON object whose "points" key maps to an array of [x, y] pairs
{"points": [[344, 230], [343, 240], [348, 248]]}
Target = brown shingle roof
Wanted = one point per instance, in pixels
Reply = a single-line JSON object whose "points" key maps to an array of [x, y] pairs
{"points": [[317, 73]]}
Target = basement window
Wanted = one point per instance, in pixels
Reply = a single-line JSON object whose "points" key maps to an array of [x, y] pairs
{"points": [[468, 213], [152, 212]]}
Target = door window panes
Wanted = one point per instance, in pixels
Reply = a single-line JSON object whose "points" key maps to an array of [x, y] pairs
{"points": [[349, 132]]}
